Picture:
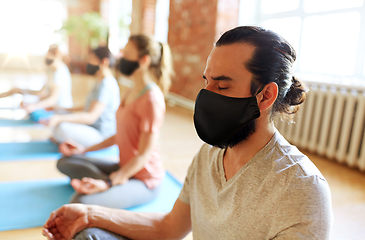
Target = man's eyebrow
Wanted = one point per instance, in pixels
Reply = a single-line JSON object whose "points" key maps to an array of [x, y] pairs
{"points": [[220, 78]]}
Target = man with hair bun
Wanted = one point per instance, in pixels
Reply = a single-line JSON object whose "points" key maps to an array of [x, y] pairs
{"points": [[247, 181]]}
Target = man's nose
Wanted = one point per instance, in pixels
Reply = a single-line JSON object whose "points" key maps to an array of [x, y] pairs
{"points": [[210, 87]]}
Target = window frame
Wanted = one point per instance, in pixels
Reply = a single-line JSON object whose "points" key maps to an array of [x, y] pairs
{"points": [[258, 18]]}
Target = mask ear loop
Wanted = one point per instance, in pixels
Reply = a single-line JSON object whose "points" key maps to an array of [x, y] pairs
{"points": [[260, 89]]}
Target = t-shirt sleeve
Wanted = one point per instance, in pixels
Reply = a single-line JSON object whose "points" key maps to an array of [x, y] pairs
{"points": [[152, 116], [186, 190], [103, 93], [305, 212]]}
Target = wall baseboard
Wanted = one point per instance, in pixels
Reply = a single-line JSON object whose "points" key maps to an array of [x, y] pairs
{"points": [[175, 99], [172, 99]]}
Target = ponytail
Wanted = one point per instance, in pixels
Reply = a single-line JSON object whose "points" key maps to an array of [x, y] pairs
{"points": [[164, 70], [295, 96], [161, 60]]}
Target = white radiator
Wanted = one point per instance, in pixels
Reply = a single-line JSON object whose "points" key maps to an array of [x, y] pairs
{"points": [[330, 123]]}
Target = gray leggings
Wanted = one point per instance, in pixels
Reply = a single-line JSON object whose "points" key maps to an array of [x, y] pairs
{"points": [[132, 193], [96, 234], [82, 134]]}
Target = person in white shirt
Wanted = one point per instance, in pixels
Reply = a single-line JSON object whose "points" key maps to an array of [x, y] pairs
{"points": [[56, 93]]}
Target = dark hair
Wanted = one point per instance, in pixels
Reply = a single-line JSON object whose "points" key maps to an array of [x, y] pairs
{"points": [[104, 52], [161, 60], [272, 61]]}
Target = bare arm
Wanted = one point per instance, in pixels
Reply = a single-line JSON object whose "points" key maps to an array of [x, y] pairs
{"points": [[70, 147], [146, 143], [7, 94], [173, 225], [104, 144], [68, 220], [90, 117], [49, 101], [20, 91]]}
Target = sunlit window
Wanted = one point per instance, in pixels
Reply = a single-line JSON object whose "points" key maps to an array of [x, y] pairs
{"points": [[311, 6], [270, 6], [28, 26], [329, 43], [162, 20], [120, 17], [327, 34]]}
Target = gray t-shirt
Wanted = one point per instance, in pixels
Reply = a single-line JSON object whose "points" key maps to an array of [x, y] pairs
{"points": [[106, 92], [278, 194]]}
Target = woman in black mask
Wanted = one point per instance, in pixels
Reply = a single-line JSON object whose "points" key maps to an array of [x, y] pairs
{"points": [[56, 93], [137, 177], [94, 122]]}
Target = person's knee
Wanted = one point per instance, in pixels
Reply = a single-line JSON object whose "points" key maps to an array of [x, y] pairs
{"points": [[60, 132], [77, 198], [62, 164], [97, 233]]}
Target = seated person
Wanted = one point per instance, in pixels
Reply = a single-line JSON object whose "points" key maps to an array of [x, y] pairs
{"points": [[136, 178], [56, 93], [96, 120], [247, 181]]}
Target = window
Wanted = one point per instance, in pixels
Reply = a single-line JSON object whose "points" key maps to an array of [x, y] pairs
{"points": [[29, 26], [328, 35], [120, 12], [162, 20]]}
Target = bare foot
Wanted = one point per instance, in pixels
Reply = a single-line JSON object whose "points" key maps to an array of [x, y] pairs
{"points": [[89, 185]]}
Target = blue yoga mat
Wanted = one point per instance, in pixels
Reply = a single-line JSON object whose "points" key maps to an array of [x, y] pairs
{"points": [[170, 190], [44, 150], [27, 204], [18, 123]]}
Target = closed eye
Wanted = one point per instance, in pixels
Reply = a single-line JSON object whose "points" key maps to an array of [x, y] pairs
{"points": [[218, 81]]}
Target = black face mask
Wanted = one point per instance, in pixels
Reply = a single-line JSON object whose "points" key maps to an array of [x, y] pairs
{"points": [[218, 118], [127, 67], [92, 69], [49, 61]]}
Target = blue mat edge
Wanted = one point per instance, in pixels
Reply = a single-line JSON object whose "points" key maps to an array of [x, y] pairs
{"points": [[55, 155], [67, 180]]}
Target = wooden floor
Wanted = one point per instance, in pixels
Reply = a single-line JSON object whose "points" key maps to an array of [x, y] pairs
{"points": [[178, 144]]}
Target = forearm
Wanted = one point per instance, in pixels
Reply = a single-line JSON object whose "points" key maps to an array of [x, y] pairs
{"points": [[45, 103], [106, 143], [75, 109], [133, 166], [6, 94], [82, 117], [130, 224], [32, 92]]}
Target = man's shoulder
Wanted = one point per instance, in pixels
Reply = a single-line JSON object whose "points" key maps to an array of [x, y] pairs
{"points": [[292, 162]]}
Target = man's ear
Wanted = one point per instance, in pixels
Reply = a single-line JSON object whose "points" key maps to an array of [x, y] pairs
{"points": [[267, 96]]}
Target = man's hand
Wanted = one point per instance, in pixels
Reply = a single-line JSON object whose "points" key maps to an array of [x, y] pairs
{"points": [[70, 147], [66, 221], [89, 185]]}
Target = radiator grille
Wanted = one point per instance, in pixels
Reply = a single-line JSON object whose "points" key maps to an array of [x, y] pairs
{"points": [[331, 123]]}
